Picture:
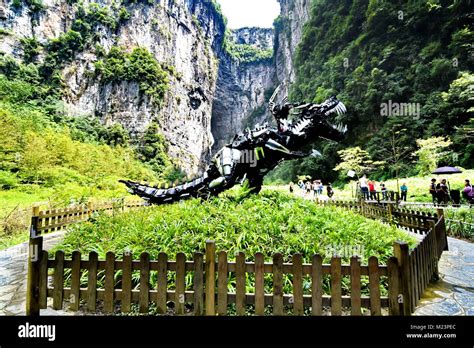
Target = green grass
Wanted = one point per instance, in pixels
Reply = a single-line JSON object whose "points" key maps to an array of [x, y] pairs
{"points": [[16, 205], [268, 223], [417, 186]]}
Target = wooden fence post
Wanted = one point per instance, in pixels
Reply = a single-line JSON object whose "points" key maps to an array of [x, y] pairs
{"points": [[400, 250], [89, 209], [434, 245], [34, 253], [210, 278], [443, 236], [390, 212]]}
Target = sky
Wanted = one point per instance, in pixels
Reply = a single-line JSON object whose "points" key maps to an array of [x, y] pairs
{"points": [[250, 13]]}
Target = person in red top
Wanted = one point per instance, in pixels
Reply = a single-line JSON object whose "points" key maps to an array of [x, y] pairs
{"points": [[373, 194]]}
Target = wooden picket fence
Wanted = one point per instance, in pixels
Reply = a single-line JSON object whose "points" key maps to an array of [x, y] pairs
{"points": [[57, 219], [212, 284], [420, 265], [409, 220]]}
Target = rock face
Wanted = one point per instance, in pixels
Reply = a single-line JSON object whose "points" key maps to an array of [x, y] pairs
{"points": [[183, 34], [242, 87], [293, 16], [211, 95]]}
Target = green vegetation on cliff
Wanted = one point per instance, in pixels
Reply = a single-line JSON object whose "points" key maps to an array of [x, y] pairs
{"points": [[247, 54], [42, 149], [139, 65]]}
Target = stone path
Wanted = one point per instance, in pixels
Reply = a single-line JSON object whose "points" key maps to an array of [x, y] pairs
{"points": [[13, 271], [453, 294]]}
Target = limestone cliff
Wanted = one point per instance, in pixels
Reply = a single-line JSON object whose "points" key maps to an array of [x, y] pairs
{"points": [[242, 87], [289, 30], [182, 34], [212, 93]]}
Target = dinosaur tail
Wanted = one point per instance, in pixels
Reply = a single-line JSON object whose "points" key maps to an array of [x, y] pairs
{"points": [[155, 195]]}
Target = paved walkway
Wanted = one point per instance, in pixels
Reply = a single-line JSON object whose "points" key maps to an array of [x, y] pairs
{"points": [[453, 294], [13, 271]]}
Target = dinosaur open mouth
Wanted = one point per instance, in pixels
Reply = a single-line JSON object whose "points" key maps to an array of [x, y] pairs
{"points": [[340, 108], [340, 127]]}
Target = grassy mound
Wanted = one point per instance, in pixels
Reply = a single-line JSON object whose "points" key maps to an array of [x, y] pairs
{"points": [[270, 222]]}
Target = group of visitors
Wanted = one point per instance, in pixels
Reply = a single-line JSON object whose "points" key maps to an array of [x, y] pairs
{"points": [[441, 193], [313, 188], [369, 190]]}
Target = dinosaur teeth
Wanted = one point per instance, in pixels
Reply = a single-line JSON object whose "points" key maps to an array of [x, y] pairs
{"points": [[344, 109], [300, 126]]}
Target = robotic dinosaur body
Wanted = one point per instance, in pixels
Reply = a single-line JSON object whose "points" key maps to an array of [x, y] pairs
{"points": [[253, 153]]}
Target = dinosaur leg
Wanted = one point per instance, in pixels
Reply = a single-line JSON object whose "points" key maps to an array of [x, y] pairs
{"points": [[255, 183]]}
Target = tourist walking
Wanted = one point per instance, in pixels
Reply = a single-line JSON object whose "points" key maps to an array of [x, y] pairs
{"points": [[468, 192], [320, 187], [364, 187], [373, 192], [404, 192], [433, 191], [302, 187], [443, 192], [308, 188], [330, 190], [315, 188], [383, 188]]}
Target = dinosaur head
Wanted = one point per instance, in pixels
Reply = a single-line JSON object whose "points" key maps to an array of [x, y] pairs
{"points": [[321, 119]]}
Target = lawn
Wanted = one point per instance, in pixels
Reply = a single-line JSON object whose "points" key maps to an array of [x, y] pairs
{"points": [[16, 205], [418, 187]]}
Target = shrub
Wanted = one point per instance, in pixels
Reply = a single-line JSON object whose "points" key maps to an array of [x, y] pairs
{"points": [[140, 66], [268, 223], [16, 4], [8, 180], [35, 5], [123, 14], [31, 49]]}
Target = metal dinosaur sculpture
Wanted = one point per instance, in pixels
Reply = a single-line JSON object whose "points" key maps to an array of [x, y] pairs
{"points": [[254, 153]]}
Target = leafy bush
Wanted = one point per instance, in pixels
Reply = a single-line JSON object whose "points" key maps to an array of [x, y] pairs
{"points": [[31, 49], [16, 4], [140, 66], [96, 14], [123, 14], [8, 180], [35, 5]]}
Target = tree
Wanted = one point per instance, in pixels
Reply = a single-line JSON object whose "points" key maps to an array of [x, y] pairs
{"points": [[356, 159], [430, 152], [394, 150]]}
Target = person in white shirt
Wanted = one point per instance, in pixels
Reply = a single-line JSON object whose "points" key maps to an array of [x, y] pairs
{"points": [[364, 187]]}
